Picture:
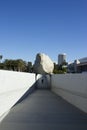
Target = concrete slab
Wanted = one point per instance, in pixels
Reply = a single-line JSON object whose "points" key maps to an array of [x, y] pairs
{"points": [[43, 110]]}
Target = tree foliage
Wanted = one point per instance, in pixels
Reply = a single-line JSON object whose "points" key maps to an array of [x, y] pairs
{"points": [[1, 57], [16, 65], [60, 69]]}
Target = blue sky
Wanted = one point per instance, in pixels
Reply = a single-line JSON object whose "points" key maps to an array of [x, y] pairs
{"points": [[47, 26]]}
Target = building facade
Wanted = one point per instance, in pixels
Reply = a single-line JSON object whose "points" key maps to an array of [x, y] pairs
{"points": [[78, 66], [82, 66], [61, 58]]}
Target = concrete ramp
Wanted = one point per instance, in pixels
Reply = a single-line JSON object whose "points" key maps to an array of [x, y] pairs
{"points": [[43, 110], [13, 85]]}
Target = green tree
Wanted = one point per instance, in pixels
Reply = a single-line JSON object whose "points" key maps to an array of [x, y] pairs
{"points": [[21, 65], [29, 67], [7, 64], [1, 57], [1, 66], [15, 65], [60, 69]]}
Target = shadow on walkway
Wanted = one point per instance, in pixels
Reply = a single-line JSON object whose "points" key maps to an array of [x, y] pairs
{"points": [[43, 110]]}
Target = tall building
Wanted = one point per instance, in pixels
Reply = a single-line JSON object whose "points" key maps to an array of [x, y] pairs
{"points": [[61, 58]]}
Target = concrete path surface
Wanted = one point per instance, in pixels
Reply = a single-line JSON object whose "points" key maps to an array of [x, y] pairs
{"points": [[43, 110]]}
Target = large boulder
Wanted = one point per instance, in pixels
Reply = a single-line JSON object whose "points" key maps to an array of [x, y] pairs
{"points": [[43, 64]]}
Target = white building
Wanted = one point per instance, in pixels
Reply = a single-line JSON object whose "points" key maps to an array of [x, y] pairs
{"points": [[78, 66], [82, 65], [61, 58]]}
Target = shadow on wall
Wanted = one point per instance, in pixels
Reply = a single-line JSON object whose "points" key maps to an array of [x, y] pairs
{"points": [[42, 82], [17, 86], [29, 91]]}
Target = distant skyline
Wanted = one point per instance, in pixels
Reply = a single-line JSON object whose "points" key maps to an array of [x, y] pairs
{"points": [[28, 27]]}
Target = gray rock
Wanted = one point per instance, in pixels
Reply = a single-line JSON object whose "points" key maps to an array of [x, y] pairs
{"points": [[43, 64]]}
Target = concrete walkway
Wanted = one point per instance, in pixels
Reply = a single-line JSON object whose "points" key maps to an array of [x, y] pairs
{"points": [[43, 110]]}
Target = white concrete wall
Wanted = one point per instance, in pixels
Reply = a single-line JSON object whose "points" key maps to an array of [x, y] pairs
{"points": [[12, 87], [72, 87]]}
